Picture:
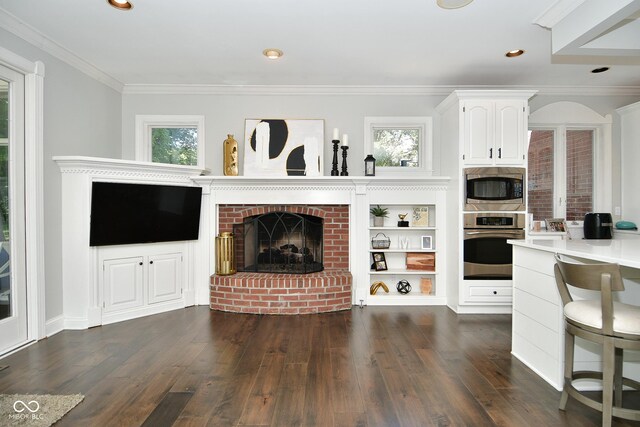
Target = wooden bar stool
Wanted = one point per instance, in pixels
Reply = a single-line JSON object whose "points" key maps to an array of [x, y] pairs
{"points": [[614, 325]]}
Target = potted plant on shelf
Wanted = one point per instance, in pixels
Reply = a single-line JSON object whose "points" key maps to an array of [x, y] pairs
{"points": [[379, 214]]}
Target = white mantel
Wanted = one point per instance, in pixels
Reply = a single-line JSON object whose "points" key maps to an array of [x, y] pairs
{"points": [[124, 168]]}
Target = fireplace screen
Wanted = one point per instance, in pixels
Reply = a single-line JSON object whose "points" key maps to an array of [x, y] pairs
{"points": [[279, 242]]}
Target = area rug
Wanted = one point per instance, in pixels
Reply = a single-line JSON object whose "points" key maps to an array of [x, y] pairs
{"points": [[41, 410]]}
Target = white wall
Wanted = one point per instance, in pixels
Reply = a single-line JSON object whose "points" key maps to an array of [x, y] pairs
{"points": [[81, 117], [226, 114], [630, 117]]}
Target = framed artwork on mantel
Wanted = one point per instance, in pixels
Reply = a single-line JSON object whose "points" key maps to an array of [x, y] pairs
{"points": [[283, 147]]}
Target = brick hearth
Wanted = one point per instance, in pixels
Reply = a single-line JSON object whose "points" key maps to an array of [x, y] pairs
{"points": [[271, 293], [267, 293]]}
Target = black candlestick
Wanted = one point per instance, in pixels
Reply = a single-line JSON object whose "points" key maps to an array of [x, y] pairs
{"points": [[334, 167], [344, 161]]}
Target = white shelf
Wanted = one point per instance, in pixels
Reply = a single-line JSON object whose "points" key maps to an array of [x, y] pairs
{"points": [[412, 298], [402, 228], [403, 250], [400, 271]]}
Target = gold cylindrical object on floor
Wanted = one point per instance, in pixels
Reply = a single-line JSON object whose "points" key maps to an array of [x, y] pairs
{"points": [[225, 259]]}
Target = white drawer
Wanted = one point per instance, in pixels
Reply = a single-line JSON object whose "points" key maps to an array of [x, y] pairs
{"points": [[481, 291], [488, 294]]}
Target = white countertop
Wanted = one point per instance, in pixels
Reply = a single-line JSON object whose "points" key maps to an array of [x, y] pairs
{"points": [[625, 252]]}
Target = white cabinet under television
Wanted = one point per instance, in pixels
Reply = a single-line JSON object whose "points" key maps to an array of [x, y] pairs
{"points": [[414, 252], [122, 283], [138, 280]]}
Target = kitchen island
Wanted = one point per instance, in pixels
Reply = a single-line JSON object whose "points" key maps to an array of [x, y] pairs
{"points": [[538, 324]]}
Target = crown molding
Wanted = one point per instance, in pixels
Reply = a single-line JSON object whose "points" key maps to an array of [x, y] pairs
{"points": [[196, 89], [32, 36], [213, 89]]}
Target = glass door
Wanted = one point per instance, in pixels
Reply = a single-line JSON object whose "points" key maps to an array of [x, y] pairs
{"points": [[13, 298]]}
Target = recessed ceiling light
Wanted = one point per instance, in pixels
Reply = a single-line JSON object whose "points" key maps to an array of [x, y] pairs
{"points": [[514, 53], [453, 4], [272, 53], [600, 70], [120, 4]]}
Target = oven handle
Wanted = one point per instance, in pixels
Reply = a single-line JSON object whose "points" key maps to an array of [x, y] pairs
{"points": [[517, 234]]}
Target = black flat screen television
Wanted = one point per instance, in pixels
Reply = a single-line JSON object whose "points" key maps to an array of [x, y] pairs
{"points": [[123, 214]]}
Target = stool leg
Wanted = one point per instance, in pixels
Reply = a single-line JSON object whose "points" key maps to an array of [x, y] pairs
{"points": [[618, 375], [608, 356], [568, 368]]}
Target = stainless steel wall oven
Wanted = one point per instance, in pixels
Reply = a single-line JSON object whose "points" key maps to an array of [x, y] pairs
{"points": [[487, 255], [494, 189]]}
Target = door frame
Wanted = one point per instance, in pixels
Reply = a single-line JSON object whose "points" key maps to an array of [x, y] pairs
{"points": [[34, 195]]}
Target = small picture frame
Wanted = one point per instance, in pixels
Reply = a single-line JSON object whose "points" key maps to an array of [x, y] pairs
{"points": [[556, 225], [379, 261], [420, 217], [426, 242]]}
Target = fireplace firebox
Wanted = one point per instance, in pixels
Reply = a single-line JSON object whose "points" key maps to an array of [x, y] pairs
{"points": [[279, 242]]}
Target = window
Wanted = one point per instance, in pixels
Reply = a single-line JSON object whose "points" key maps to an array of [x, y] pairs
{"points": [[570, 162], [565, 150], [177, 140], [400, 145]]}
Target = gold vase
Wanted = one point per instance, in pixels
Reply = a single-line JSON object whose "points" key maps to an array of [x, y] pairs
{"points": [[230, 156], [225, 259]]}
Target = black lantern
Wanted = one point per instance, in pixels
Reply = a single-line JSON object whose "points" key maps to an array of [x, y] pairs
{"points": [[369, 165]]}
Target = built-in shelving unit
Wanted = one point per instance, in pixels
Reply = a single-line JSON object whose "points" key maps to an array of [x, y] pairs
{"points": [[423, 240]]}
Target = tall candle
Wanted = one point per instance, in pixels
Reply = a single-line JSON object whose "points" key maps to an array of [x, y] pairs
{"points": [[335, 134], [345, 140]]}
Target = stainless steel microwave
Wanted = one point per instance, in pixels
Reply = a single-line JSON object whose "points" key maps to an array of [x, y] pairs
{"points": [[494, 189]]}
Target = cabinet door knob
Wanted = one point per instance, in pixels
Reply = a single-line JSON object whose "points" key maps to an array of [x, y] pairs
{"points": [[495, 292], [140, 263], [491, 153], [499, 153], [150, 262]]}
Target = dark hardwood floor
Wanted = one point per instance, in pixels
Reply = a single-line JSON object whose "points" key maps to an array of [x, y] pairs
{"points": [[377, 366]]}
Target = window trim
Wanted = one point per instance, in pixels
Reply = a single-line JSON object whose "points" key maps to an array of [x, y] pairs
{"points": [[144, 124], [425, 143]]}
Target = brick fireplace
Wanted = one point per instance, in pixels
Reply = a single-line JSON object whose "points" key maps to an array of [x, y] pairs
{"points": [[279, 293]]}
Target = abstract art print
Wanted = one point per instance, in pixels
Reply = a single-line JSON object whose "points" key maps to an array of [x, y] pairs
{"points": [[283, 147]]}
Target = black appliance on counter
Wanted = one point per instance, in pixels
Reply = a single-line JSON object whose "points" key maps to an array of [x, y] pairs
{"points": [[598, 226]]}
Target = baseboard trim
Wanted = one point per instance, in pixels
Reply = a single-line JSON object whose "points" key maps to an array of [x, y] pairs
{"points": [[53, 326]]}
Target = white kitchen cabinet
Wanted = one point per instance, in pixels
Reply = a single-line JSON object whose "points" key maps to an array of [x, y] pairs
{"points": [[494, 131], [123, 288], [165, 277], [483, 128], [138, 280]]}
